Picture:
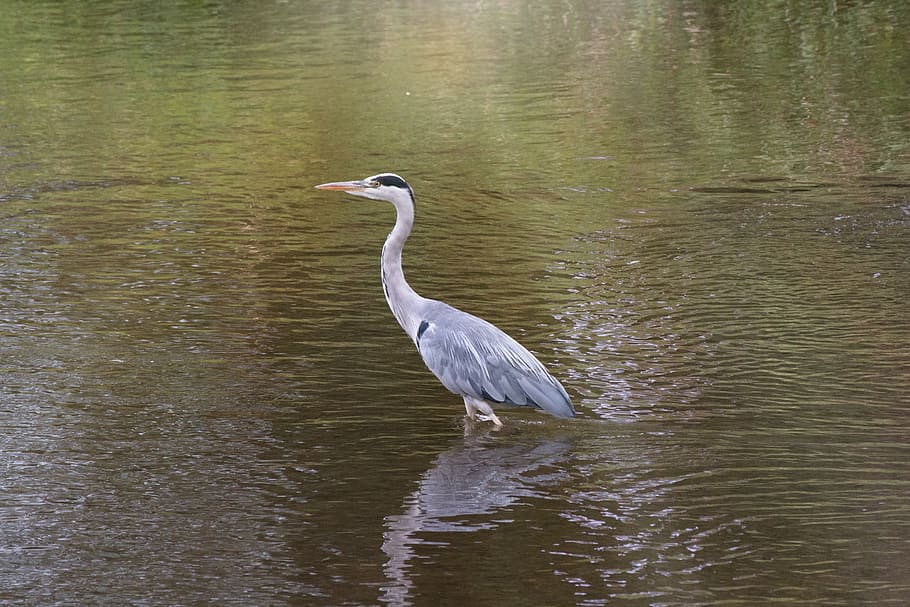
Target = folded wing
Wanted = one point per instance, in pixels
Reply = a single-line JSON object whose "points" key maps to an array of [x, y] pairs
{"points": [[472, 357]]}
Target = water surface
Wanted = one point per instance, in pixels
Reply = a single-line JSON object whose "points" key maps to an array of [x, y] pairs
{"points": [[696, 215]]}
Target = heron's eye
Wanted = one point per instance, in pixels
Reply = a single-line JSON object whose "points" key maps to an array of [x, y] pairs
{"points": [[375, 184]]}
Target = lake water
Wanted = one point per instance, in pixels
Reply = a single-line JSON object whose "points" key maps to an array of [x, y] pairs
{"points": [[696, 213]]}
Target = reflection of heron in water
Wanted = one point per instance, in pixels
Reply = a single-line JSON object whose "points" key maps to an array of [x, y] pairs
{"points": [[476, 477], [471, 357]]}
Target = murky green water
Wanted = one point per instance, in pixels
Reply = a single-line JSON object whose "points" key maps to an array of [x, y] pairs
{"points": [[697, 213]]}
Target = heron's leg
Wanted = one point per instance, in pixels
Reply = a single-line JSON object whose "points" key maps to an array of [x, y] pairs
{"points": [[469, 407], [473, 405]]}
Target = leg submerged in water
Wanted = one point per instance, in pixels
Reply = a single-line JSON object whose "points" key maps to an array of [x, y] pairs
{"points": [[475, 405]]}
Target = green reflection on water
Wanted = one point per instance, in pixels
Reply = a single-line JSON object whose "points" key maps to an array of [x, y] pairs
{"points": [[681, 92]]}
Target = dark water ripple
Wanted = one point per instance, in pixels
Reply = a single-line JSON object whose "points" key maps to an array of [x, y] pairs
{"points": [[772, 314], [790, 373], [743, 405]]}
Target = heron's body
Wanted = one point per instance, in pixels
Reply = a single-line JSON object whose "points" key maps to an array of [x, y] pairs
{"points": [[470, 356]]}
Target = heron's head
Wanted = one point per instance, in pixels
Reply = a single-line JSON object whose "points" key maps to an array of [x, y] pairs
{"points": [[384, 186]]}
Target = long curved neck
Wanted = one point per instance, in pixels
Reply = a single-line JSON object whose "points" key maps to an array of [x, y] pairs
{"points": [[403, 300]]}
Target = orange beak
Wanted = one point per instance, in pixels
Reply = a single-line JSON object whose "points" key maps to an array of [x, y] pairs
{"points": [[343, 186]]}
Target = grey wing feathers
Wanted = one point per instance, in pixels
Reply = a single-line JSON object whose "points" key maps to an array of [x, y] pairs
{"points": [[472, 357]]}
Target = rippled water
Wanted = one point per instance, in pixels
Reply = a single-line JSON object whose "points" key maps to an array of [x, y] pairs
{"points": [[698, 215]]}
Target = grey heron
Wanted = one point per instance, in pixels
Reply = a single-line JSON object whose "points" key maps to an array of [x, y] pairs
{"points": [[471, 357]]}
